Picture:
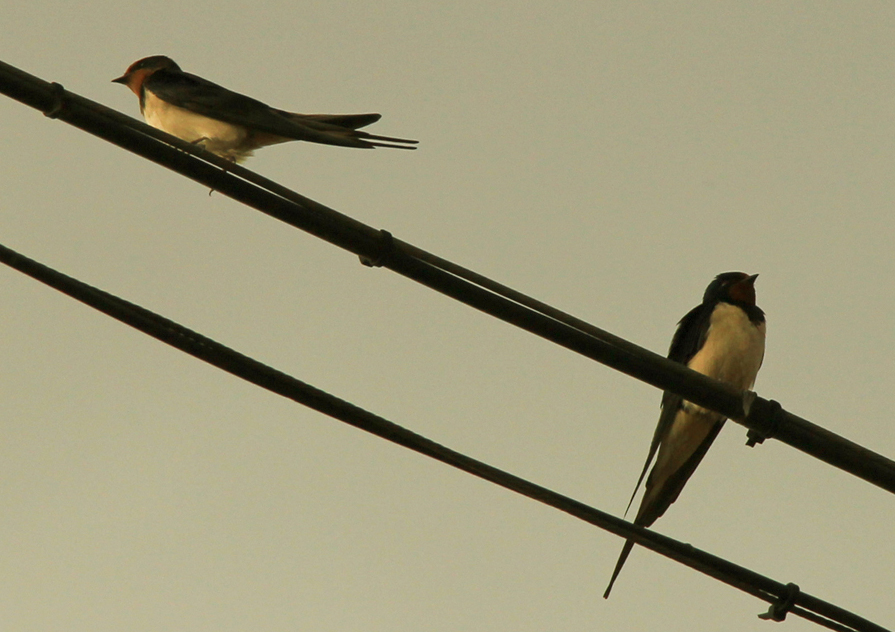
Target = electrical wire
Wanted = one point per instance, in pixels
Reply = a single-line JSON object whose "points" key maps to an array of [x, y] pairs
{"points": [[784, 598], [764, 418]]}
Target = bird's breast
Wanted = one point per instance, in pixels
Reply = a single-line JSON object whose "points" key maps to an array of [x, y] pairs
{"points": [[733, 348], [220, 137]]}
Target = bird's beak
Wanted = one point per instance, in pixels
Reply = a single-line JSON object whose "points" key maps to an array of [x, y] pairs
{"points": [[121, 79]]}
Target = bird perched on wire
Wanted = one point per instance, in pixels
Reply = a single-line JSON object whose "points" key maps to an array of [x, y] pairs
{"points": [[233, 125], [724, 339]]}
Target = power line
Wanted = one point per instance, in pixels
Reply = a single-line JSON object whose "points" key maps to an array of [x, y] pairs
{"points": [[784, 598], [764, 418]]}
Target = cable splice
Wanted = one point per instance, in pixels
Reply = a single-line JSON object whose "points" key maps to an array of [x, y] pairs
{"points": [[57, 107], [386, 251], [780, 608], [765, 421]]}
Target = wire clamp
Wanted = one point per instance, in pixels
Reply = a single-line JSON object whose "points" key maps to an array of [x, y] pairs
{"points": [[770, 422], [58, 106], [386, 249], [780, 608]]}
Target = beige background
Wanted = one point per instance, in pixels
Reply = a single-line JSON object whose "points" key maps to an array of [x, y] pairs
{"points": [[604, 157]]}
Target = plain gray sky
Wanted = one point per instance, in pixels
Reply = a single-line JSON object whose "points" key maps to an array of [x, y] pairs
{"points": [[608, 158]]}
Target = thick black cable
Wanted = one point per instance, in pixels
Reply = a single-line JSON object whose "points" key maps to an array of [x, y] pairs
{"points": [[216, 354], [755, 413]]}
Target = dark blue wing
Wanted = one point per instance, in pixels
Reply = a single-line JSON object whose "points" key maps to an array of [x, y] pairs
{"points": [[204, 97], [686, 343], [691, 333]]}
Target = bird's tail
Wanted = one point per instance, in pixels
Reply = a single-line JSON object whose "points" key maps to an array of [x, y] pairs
{"points": [[388, 141], [626, 551], [342, 129], [351, 121]]}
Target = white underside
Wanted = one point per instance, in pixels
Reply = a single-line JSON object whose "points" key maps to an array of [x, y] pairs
{"points": [[224, 139], [733, 349]]}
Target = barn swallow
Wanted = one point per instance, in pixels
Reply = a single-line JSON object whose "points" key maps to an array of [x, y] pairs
{"points": [[233, 125], [724, 339]]}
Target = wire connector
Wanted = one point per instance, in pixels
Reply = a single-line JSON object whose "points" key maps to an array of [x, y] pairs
{"points": [[58, 106], [780, 608], [386, 250], [769, 417]]}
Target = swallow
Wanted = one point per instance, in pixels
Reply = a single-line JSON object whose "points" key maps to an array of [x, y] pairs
{"points": [[723, 338], [233, 125]]}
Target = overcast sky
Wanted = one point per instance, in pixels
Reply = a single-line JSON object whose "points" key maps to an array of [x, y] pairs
{"points": [[607, 158]]}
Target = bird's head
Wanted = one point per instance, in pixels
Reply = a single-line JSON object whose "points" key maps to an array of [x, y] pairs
{"points": [[138, 71], [731, 287]]}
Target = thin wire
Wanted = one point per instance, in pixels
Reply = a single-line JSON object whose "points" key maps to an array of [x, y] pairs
{"points": [[216, 354]]}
